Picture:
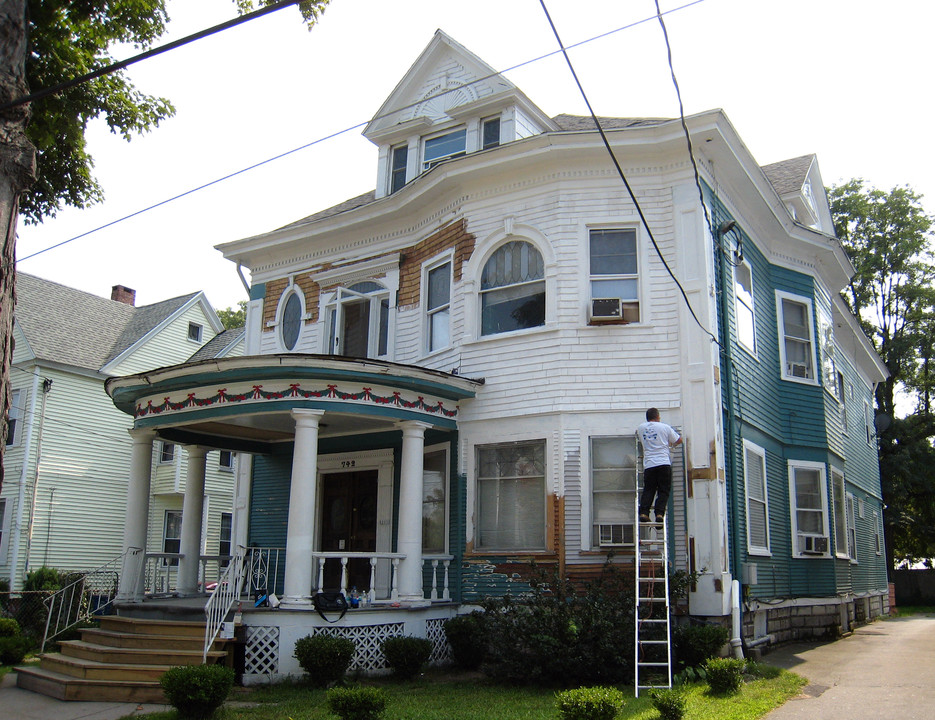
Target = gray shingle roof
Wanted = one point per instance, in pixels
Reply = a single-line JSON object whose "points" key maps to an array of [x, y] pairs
{"points": [[586, 122], [788, 176], [216, 345], [77, 328]]}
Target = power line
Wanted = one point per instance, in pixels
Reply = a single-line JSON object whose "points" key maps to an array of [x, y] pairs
{"points": [[623, 176], [349, 129], [100, 72]]}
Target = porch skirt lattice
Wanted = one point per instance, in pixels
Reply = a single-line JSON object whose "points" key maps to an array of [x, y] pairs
{"points": [[261, 654]]}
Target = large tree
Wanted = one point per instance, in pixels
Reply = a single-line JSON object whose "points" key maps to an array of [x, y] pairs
{"points": [[44, 162], [888, 236]]}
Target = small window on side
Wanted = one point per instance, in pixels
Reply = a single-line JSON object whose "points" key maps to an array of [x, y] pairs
{"points": [[491, 133], [226, 461], [398, 168], [194, 332]]}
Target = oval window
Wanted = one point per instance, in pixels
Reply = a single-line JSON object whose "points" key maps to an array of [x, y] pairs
{"points": [[291, 321]]}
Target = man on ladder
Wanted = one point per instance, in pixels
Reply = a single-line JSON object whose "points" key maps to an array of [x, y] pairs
{"points": [[657, 438]]}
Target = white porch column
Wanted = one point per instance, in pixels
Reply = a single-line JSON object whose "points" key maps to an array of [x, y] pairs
{"points": [[300, 534], [136, 519], [409, 537], [192, 517]]}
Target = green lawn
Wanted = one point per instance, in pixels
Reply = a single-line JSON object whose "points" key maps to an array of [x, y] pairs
{"points": [[441, 697]]}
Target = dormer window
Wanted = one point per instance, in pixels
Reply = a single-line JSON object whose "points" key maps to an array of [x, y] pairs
{"points": [[358, 320], [442, 147], [398, 168], [491, 133]]}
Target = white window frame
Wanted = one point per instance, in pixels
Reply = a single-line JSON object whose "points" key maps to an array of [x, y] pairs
{"points": [[839, 503], [230, 536], [631, 308], [431, 312], [292, 289], [445, 450], [531, 548], [522, 285], [741, 303], [165, 538], [829, 364], [195, 332], [626, 515], [842, 399], [759, 453], [782, 296], [483, 132], [3, 530], [430, 163], [392, 170], [878, 532], [15, 418], [167, 458], [226, 467], [868, 422], [851, 528], [334, 317], [794, 466]]}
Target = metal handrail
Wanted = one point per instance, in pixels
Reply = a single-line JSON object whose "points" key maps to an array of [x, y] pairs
{"points": [[222, 599], [73, 603]]}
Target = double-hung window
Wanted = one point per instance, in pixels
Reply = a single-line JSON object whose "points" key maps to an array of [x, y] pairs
{"points": [[512, 289], [167, 452], [754, 467], [399, 161], [614, 473], [743, 291], [224, 538], [226, 461], [511, 496], [434, 502], [839, 500], [438, 306], [808, 495], [851, 529], [614, 269], [172, 535], [441, 147], [358, 320], [490, 133], [797, 345], [14, 417]]}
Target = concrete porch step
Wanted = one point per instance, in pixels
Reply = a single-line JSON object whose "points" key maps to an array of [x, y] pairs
{"points": [[66, 687], [86, 669], [113, 638], [146, 626], [158, 655]]}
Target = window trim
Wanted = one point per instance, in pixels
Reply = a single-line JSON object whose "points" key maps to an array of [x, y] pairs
{"points": [[760, 453], [226, 468], [626, 303], [394, 171], [431, 450], [781, 296], [15, 416], [165, 459], [738, 301], [427, 270], [878, 532], [346, 295], [230, 537], [543, 281], [795, 465], [849, 503], [593, 529], [173, 562], [484, 122], [427, 165], [4, 532], [840, 543], [292, 289], [195, 332]]}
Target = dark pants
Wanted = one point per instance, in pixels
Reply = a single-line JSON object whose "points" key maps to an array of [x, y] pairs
{"points": [[657, 481]]}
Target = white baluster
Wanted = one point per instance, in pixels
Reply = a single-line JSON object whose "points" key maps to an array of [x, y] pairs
{"points": [[434, 595], [445, 594], [344, 576], [394, 592], [371, 592], [321, 573]]}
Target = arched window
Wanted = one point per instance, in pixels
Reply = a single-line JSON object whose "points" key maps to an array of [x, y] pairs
{"points": [[291, 325], [512, 289], [358, 321]]}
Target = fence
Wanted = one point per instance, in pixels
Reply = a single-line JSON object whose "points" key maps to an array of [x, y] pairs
{"points": [[28, 609]]}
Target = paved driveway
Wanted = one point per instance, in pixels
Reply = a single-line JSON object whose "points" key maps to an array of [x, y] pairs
{"points": [[883, 671]]}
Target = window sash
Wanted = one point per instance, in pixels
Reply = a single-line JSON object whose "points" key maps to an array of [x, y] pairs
{"points": [[756, 492], [442, 147], [291, 321], [614, 482], [743, 289], [172, 535], [359, 321], [840, 515], [491, 133], [808, 501], [511, 496], [398, 169], [14, 414], [435, 502]]}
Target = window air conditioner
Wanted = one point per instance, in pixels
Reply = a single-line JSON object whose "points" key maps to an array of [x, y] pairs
{"points": [[813, 545], [615, 535], [798, 370], [603, 309]]}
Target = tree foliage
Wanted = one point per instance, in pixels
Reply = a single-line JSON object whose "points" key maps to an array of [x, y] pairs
{"points": [[232, 317], [888, 236]]}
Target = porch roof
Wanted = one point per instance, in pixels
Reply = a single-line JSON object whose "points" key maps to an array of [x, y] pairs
{"points": [[245, 403]]}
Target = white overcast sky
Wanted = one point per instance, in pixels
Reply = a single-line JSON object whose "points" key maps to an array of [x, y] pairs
{"points": [[849, 80]]}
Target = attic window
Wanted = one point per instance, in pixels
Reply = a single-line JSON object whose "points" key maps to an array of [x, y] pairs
{"points": [[194, 332], [442, 147], [398, 171], [491, 134]]}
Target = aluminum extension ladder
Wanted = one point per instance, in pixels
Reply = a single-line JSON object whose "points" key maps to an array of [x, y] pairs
{"points": [[653, 653]]}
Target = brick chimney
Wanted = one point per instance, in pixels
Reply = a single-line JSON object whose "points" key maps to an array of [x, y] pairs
{"points": [[123, 294]]}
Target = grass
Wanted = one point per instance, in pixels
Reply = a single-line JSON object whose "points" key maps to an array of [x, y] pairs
{"points": [[442, 697], [909, 610]]}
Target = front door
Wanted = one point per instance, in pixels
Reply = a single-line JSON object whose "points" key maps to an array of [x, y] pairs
{"points": [[349, 524]]}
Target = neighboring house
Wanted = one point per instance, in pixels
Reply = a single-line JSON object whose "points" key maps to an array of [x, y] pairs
{"points": [[68, 452], [448, 372]]}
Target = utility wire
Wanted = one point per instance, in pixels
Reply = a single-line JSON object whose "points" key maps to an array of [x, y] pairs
{"points": [[100, 72], [623, 176], [358, 126]]}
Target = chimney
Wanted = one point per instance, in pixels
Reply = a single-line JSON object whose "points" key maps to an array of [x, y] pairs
{"points": [[123, 294]]}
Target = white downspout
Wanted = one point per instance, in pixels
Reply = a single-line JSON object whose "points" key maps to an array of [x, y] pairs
{"points": [[735, 642]]}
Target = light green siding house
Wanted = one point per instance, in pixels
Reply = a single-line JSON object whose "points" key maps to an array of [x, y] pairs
{"points": [[66, 463]]}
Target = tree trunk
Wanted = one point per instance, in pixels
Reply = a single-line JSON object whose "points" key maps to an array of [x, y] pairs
{"points": [[17, 172]]}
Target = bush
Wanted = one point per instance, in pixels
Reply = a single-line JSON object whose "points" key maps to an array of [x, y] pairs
{"points": [[13, 649], [725, 675], [694, 644], [590, 703], [9, 627], [361, 703], [196, 691], [468, 639], [561, 633], [670, 702], [324, 657], [407, 655], [44, 578]]}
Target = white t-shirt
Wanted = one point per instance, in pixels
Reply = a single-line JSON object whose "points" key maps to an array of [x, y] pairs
{"points": [[656, 438]]}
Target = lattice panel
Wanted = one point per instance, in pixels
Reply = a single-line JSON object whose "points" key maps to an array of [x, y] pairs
{"points": [[435, 632], [369, 640], [261, 655]]}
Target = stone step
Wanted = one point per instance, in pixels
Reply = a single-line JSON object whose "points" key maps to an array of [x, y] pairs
{"points": [[136, 656], [142, 626], [66, 687], [113, 638], [86, 669]]}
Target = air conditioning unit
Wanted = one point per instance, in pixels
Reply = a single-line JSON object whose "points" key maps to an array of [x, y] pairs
{"points": [[605, 309], [798, 370], [813, 545], [615, 535]]}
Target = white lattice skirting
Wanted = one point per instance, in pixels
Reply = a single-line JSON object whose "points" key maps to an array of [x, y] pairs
{"points": [[261, 655]]}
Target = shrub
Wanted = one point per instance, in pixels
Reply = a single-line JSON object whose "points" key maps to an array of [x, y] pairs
{"points": [[561, 633], [196, 691], [13, 649], [590, 703], [324, 657], [43, 578], [468, 639], [725, 675], [407, 655], [360, 703], [670, 702], [9, 627], [696, 643]]}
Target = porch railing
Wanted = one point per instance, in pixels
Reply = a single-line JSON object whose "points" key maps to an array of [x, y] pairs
{"points": [[227, 591], [91, 594], [159, 572]]}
